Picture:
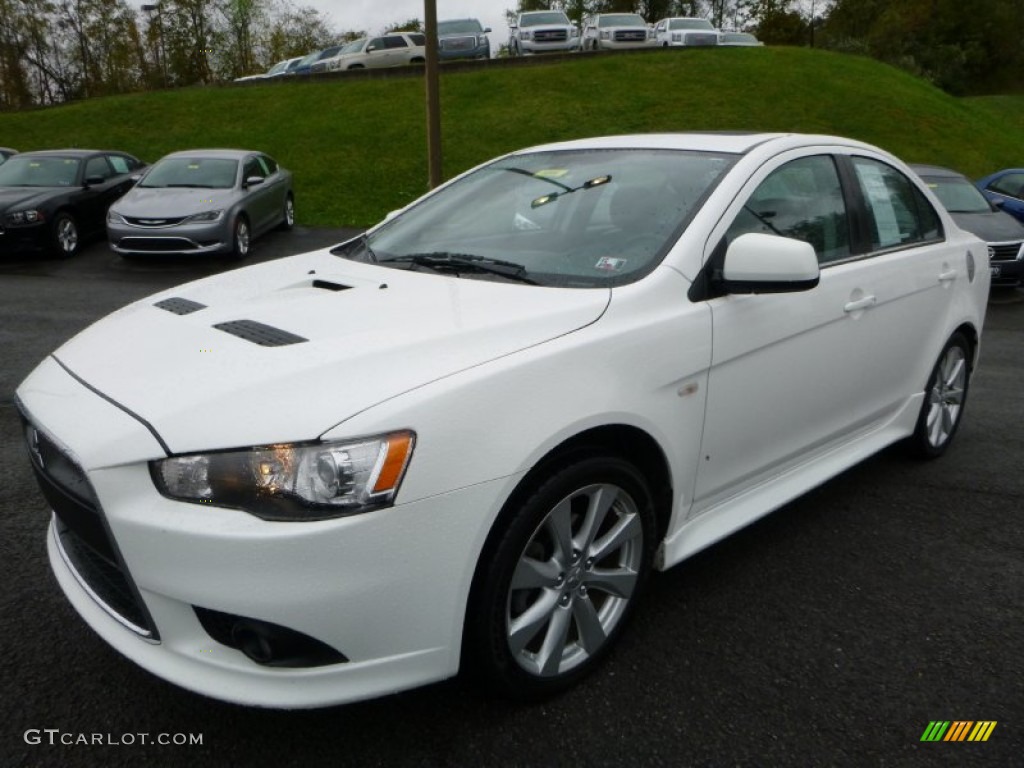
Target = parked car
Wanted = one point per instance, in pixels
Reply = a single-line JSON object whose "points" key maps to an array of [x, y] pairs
{"points": [[463, 439], [6, 152], [463, 39], [307, 63], [971, 211], [284, 67], [397, 49], [203, 201], [54, 200], [1006, 189], [615, 31], [685, 31], [542, 32], [738, 39]]}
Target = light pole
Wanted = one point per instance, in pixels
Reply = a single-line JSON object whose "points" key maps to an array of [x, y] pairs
{"points": [[433, 95], [161, 53]]}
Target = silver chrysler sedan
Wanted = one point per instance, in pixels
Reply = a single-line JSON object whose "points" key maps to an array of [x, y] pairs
{"points": [[203, 201]]}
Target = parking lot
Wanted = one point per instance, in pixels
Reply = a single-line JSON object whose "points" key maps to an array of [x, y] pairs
{"points": [[830, 633]]}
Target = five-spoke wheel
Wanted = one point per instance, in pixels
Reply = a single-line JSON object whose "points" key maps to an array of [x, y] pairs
{"points": [[945, 397]]}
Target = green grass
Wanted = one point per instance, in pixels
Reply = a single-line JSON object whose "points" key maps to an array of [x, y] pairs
{"points": [[358, 147]]}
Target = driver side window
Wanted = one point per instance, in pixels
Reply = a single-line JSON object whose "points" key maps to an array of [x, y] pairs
{"points": [[802, 200]]}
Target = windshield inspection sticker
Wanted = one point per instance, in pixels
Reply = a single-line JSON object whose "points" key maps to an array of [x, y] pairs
{"points": [[610, 264]]}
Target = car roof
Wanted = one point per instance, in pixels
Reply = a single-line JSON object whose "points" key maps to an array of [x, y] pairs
{"points": [[727, 142], [223, 154], [935, 171], [69, 152]]}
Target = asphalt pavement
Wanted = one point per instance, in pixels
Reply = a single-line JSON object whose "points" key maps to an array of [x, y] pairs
{"points": [[831, 633]]}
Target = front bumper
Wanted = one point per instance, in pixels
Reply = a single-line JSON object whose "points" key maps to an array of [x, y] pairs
{"points": [[24, 239], [387, 589], [197, 238], [1006, 262]]}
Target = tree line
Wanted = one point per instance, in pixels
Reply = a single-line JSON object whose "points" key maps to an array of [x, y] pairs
{"points": [[53, 51]]}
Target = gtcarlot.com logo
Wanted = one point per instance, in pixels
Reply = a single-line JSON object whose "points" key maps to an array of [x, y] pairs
{"points": [[55, 737], [958, 730]]}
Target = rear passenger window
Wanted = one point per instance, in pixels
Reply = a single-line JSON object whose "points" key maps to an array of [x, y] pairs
{"points": [[802, 200], [120, 163], [899, 214], [395, 42]]}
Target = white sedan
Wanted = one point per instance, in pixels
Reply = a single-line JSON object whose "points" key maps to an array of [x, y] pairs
{"points": [[462, 440]]}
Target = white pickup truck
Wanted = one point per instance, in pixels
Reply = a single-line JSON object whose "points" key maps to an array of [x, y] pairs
{"points": [[542, 32]]}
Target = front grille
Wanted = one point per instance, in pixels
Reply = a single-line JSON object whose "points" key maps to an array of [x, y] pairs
{"points": [[551, 35], [458, 43], [153, 222], [1004, 251], [701, 38], [630, 35], [83, 538], [156, 244]]}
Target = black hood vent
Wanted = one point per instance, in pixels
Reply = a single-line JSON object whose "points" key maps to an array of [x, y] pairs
{"points": [[258, 333], [180, 306]]}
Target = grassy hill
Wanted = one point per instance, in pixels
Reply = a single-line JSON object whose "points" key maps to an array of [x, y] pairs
{"points": [[357, 146]]}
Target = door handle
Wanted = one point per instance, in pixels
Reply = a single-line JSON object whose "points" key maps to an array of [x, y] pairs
{"points": [[947, 276], [853, 306]]}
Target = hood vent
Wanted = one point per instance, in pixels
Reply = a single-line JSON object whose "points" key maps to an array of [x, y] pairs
{"points": [[180, 306], [258, 333], [327, 285]]}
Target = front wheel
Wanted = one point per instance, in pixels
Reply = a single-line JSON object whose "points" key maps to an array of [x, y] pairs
{"points": [[555, 590], [288, 214], [241, 239], [944, 399], [65, 235]]}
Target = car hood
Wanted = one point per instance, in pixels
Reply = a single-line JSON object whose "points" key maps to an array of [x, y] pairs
{"points": [[24, 197], [994, 227], [371, 333], [170, 202]]}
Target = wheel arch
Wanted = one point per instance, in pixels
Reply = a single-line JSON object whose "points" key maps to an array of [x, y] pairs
{"points": [[971, 334]]}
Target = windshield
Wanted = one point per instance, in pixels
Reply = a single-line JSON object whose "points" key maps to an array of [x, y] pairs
{"points": [[465, 26], [621, 20], [20, 171], [690, 24], [958, 195], [356, 46], [533, 19], [581, 218], [279, 67], [201, 172]]}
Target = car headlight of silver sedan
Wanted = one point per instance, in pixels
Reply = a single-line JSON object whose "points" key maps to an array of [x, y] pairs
{"points": [[113, 217], [206, 216], [299, 481]]}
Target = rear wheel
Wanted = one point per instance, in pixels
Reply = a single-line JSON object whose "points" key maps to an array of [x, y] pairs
{"points": [[944, 399], [555, 590], [288, 215]]}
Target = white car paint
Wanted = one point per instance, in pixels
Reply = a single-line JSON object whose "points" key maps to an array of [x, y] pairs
{"points": [[752, 400]]}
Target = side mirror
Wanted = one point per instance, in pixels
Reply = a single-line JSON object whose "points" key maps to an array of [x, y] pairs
{"points": [[997, 203], [253, 181], [371, 48], [94, 181], [486, 30], [758, 263]]}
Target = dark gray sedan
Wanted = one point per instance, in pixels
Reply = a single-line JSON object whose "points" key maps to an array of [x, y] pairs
{"points": [[203, 201]]}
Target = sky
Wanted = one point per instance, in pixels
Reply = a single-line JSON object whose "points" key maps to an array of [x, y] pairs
{"points": [[374, 15]]}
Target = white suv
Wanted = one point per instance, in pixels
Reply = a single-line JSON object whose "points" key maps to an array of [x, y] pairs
{"points": [[394, 50], [542, 32], [685, 31], [613, 31]]}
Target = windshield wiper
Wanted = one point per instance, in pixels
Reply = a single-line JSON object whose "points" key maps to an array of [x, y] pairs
{"points": [[443, 261]]}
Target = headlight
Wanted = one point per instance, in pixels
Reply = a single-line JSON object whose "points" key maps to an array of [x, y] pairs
{"points": [[311, 481], [525, 35], [206, 216], [605, 35], [115, 218], [14, 218]]}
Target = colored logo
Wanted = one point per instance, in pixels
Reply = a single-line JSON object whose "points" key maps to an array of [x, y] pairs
{"points": [[958, 730]]}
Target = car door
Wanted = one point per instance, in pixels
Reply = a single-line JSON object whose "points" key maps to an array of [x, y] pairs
{"points": [[276, 190], [100, 187], [793, 374], [259, 198]]}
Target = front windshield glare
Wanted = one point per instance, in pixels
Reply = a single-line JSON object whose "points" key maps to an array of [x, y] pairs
{"points": [[200, 172], [583, 218], [39, 172]]}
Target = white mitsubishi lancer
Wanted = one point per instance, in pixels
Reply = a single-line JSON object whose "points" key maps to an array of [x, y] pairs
{"points": [[462, 440]]}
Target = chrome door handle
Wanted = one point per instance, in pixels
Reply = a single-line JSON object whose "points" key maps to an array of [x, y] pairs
{"points": [[853, 306], [946, 277]]}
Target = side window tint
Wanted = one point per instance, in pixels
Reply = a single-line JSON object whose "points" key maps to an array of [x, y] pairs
{"points": [[802, 200], [395, 41], [120, 163], [98, 166], [253, 168], [898, 213], [1011, 185], [269, 166], [377, 44], [418, 39]]}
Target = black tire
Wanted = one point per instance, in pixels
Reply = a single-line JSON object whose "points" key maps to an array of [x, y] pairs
{"points": [[65, 235], [241, 238], [565, 583], [944, 401], [288, 215]]}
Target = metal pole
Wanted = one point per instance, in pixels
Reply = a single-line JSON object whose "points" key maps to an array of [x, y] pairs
{"points": [[433, 96]]}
